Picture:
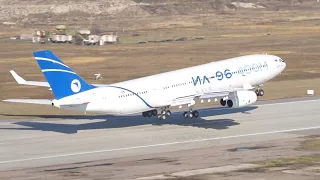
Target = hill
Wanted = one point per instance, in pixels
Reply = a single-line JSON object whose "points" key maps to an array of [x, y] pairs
{"points": [[72, 10]]}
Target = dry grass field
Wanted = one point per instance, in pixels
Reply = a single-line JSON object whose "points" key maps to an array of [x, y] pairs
{"points": [[292, 35]]}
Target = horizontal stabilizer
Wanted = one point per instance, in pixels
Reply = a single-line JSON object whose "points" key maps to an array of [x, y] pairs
{"points": [[30, 101], [20, 80]]}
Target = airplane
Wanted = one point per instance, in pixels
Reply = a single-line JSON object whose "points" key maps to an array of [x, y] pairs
{"points": [[235, 81]]}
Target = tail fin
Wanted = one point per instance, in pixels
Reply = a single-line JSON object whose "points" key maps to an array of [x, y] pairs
{"points": [[62, 79]]}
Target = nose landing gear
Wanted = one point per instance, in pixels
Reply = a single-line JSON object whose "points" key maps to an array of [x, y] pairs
{"points": [[259, 92]]}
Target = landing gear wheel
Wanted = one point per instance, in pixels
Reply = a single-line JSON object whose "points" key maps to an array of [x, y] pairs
{"points": [[223, 102], [261, 92], [144, 114], [257, 92], [154, 112], [190, 115], [195, 114], [168, 112], [185, 115], [230, 103], [162, 117]]}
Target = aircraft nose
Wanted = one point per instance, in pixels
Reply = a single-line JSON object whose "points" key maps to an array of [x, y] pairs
{"points": [[284, 65]]}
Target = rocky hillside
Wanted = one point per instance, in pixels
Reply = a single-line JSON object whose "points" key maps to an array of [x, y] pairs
{"points": [[17, 9], [35, 10]]}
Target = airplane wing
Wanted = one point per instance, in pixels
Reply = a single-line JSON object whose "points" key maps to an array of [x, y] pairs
{"points": [[183, 100], [208, 94], [22, 81]]}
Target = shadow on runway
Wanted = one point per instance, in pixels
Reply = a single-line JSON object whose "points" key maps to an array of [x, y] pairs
{"points": [[137, 120]]}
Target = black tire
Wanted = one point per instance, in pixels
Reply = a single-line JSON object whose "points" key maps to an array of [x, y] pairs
{"points": [[144, 114], [257, 92], [190, 115], [195, 114], [154, 112], [223, 102], [261, 92], [168, 113], [230, 103], [185, 115], [159, 117]]}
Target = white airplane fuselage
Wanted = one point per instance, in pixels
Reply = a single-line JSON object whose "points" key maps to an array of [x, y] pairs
{"points": [[151, 92]]}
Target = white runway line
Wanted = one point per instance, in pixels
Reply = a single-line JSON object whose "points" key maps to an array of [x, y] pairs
{"points": [[156, 145]]}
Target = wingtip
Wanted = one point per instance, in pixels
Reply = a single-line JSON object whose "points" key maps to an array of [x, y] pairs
{"points": [[18, 78]]}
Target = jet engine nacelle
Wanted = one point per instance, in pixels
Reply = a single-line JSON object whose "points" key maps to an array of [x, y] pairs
{"points": [[241, 98]]}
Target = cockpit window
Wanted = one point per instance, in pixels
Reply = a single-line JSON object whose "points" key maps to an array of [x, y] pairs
{"points": [[280, 60]]}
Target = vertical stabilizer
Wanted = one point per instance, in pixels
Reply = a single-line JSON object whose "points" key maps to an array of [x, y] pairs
{"points": [[62, 79]]}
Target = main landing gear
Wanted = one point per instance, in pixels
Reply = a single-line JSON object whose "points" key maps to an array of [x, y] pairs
{"points": [[164, 114], [191, 114]]}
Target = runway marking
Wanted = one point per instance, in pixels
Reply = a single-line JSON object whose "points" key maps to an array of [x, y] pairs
{"points": [[206, 109], [156, 145]]}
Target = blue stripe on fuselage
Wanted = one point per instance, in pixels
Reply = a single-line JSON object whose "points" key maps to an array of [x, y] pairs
{"points": [[134, 94]]}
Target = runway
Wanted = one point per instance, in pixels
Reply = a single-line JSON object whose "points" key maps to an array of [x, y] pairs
{"points": [[63, 140]]}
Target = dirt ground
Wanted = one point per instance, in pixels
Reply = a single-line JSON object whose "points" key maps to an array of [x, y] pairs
{"points": [[292, 35], [294, 159]]}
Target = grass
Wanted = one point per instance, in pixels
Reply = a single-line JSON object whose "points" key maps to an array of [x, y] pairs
{"points": [[294, 41], [268, 52], [310, 145], [280, 162], [84, 60]]}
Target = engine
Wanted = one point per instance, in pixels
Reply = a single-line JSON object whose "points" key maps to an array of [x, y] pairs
{"points": [[241, 98]]}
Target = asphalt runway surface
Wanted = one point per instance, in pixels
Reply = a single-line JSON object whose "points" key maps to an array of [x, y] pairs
{"points": [[53, 140]]}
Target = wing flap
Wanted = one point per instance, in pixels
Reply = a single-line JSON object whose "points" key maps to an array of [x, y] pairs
{"points": [[183, 100], [213, 95]]}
